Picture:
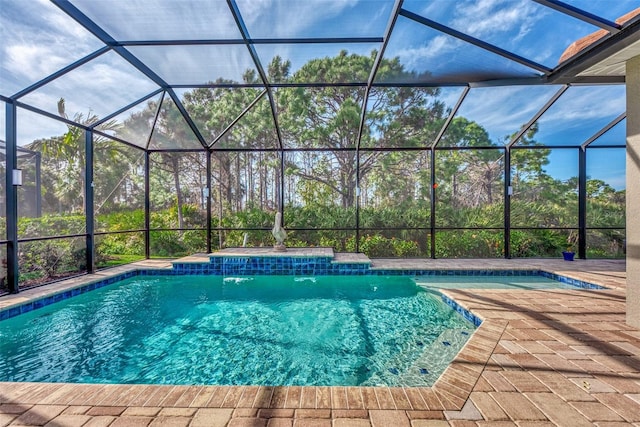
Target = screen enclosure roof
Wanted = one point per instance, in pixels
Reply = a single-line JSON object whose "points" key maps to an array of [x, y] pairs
{"points": [[505, 64]]}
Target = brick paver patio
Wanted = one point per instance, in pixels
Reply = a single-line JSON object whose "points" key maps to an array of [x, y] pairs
{"points": [[540, 358]]}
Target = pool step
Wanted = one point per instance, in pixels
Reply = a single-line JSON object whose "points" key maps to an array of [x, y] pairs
{"points": [[296, 261], [350, 258], [427, 368]]}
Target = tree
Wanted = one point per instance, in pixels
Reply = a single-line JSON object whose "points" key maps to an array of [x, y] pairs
{"points": [[66, 155], [468, 178], [329, 118]]}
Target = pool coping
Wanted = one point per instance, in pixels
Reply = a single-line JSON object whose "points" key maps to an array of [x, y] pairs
{"points": [[449, 393]]}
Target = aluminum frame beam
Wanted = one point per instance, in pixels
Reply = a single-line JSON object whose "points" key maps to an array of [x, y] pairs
{"points": [[604, 130], [200, 42], [535, 118], [237, 119], [452, 114], [62, 72]]}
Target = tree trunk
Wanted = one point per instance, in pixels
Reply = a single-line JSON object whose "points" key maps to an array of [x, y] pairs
{"points": [[454, 195], [238, 198], [263, 180], [487, 176], [175, 164], [279, 187]]}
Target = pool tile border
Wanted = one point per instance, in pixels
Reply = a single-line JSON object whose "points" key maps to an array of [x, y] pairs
{"points": [[468, 315], [22, 307], [570, 281]]}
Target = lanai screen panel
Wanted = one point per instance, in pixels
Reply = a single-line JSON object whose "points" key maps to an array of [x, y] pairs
{"points": [[319, 117], [162, 19], [469, 188], [178, 203], [255, 130], [214, 110], [541, 176], [245, 190], [429, 56], [399, 117], [135, 124], [119, 195], [607, 9], [38, 39], [319, 180], [53, 175], [171, 130], [318, 62], [197, 64], [99, 88], [577, 115], [319, 197], [522, 27], [617, 135], [395, 189], [606, 187], [119, 186], [315, 18], [493, 115], [606, 192]]}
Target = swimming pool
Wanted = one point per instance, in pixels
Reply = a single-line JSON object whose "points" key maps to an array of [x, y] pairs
{"points": [[263, 330]]}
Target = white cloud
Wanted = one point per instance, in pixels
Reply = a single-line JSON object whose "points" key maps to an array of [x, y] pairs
{"points": [[37, 40], [33, 61], [580, 104], [102, 86], [32, 126], [503, 110], [487, 19], [421, 58]]}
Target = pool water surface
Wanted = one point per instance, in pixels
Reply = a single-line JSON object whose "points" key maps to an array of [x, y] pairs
{"points": [[263, 330]]}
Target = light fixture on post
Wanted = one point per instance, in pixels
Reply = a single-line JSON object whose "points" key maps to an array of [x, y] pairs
{"points": [[17, 177]]}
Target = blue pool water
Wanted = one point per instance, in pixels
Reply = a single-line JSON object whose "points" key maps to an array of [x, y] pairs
{"points": [[265, 330], [492, 282]]}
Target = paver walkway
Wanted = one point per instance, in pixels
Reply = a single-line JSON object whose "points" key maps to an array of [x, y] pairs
{"points": [[540, 358]]}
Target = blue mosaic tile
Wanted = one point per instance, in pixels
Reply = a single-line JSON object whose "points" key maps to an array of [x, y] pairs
{"points": [[42, 302], [463, 311], [25, 308], [12, 312], [569, 281]]}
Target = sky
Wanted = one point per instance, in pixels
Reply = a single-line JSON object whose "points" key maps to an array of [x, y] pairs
{"points": [[39, 39]]}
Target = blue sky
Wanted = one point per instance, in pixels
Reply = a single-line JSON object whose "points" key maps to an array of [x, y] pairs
{"points": [[38, 39]]}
